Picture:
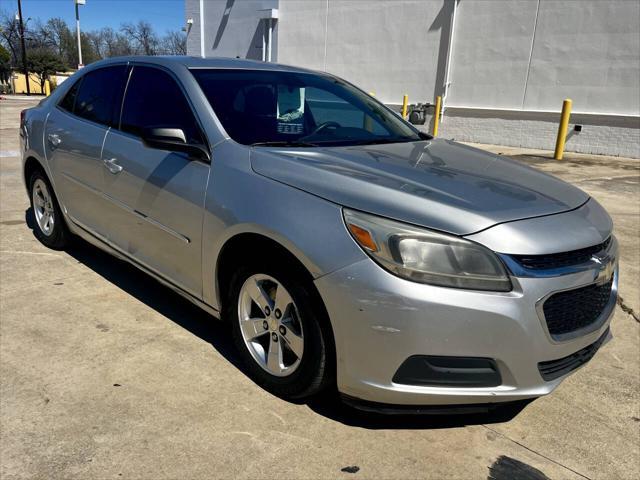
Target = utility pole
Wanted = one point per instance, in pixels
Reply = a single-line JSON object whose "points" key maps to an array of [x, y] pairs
{"points": [[78, 3], [25, 70]]}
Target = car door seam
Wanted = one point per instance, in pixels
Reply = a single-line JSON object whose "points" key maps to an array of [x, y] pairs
{"points": [[104, 141], [205, 270], [44, 134]]}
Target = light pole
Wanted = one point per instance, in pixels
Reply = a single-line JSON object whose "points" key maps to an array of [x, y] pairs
{"points": [[78, 3], [24, 49]]}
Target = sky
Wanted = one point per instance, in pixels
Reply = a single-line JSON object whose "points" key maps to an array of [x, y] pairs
{"points": [[162, 14]]}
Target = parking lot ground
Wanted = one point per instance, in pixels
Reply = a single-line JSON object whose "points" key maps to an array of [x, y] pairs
{"points": [[106, 374]]}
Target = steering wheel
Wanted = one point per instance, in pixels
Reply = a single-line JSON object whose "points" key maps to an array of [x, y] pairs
{"points": [[324, 126]]}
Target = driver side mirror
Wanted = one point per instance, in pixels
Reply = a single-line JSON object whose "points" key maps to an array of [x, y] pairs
{"points": [[173, 140]]}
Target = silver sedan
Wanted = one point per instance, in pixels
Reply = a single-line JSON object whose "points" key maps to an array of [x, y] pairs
{"points": [[346, 248]]}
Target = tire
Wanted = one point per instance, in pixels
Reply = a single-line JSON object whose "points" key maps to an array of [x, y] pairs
{"points": [[54, 234], [304, 377]]}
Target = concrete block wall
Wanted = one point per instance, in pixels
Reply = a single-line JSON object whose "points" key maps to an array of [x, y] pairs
{"points": [[601, 134]]}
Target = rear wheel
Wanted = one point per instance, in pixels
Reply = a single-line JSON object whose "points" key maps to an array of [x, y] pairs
{"points": [[278, 331], [49, 226]]}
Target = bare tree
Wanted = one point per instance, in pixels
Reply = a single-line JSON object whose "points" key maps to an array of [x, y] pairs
{"points": [[117, 44], [57, 38], [59, 34], [174, 43], [145, 38], [96, 39], [10, 36]]}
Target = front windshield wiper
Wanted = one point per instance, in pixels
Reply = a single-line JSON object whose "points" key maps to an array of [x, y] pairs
{"points": [[378, 141], [284, 143]]}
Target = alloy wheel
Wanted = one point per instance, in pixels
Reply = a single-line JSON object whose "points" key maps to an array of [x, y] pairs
{"points": [[270, 325], [43, 207]]}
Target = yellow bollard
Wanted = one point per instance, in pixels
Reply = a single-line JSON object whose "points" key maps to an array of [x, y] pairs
{"points": [[436, 116], [47, 88], [562, 129], [405, 105]]}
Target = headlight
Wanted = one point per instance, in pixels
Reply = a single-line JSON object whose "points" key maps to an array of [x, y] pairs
{"points": [[427, 257]]}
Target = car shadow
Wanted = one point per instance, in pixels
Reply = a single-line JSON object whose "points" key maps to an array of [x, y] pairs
{"points": [[218, 333], [160, 298]]}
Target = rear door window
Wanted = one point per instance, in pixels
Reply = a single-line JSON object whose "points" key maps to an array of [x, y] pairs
{"points": [[155, 100], [100, 93]]}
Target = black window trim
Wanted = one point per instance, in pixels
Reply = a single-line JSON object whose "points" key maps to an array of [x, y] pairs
{"points": [[135, 64], [79, 83]]}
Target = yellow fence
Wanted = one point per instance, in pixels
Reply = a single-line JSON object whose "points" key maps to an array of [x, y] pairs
{"points": [[20, 86]]}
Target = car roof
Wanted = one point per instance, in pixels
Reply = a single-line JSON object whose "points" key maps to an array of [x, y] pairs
{"points": [[199, 62]]}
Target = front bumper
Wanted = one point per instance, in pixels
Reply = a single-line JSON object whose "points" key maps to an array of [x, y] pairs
{"points": [[379, 320]]}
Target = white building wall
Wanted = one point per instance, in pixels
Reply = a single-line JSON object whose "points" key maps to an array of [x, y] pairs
{"points": [[233, 28], [370, 43], [588, 51], [302, 33], [513, 62], [491, 53]]}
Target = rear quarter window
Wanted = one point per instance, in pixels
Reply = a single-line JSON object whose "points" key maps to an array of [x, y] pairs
{"points": [[69, 99]]}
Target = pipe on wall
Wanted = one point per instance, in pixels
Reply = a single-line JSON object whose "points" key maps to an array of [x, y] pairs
{"points": [[202, 28], [447, 77]]}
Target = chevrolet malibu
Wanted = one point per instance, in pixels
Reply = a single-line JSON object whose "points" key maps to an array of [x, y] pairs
{"points": [[345, 247]]}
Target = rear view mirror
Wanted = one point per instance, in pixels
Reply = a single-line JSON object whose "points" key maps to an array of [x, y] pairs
{"points": [[173, 140]]}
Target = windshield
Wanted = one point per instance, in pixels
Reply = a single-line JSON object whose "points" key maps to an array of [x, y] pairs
{"points": [[298, 109]]}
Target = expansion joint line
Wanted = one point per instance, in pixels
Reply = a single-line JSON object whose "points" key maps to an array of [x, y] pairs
{"points": [[536, 453]]}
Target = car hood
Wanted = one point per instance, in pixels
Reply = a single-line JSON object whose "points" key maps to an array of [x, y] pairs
{"points": [[437, 184]]}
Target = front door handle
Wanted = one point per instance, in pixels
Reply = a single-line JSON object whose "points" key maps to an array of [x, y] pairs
{"points": [[112, 165], [54, 139]]}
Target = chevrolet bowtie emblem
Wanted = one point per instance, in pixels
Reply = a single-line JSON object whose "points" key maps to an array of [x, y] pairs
{"points": [[607, 267]]}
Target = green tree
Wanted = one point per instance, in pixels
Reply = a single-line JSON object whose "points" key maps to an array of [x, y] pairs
{"points": [[44, 63], [5, 65]]}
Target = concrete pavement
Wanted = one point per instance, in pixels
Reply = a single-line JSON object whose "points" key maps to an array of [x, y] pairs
{"points": [[106, 374]]}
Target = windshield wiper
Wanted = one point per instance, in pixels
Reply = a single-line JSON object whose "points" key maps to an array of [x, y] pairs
{"points": [[284, 143], [378, 141]]}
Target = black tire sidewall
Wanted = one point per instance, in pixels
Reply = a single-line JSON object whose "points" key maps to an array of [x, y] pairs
{"points": [[313, 373], [58, 238]]}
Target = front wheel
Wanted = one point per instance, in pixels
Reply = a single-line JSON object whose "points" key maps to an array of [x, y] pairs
{"points": [[278, 331]]}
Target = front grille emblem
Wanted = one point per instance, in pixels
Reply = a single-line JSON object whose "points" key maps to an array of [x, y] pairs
{"points": [[605, 270]]}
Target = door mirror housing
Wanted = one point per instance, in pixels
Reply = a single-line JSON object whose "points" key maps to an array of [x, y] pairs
{"points": [[173, 140]]}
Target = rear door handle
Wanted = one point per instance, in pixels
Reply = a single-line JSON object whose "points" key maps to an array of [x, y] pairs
{"points": [[54, 139], [112, 165]]}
